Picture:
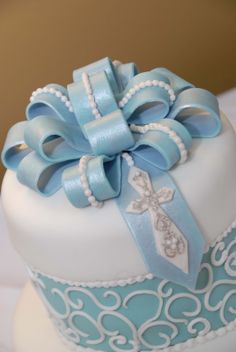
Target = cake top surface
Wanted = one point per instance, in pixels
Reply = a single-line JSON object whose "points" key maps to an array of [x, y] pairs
{"points": [[114, 133]]}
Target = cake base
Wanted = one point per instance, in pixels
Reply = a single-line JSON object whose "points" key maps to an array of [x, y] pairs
{"points": [[33, 330]]}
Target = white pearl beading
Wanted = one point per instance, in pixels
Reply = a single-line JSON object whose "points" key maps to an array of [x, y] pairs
{"points": [[128, 159], [222, 236], [91, 99], [172, 134], [149, 83], [95, 284], [64, 99], [84, 182]]}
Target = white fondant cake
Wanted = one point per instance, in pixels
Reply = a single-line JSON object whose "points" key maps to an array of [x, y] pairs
{"points": [[123, 255]]}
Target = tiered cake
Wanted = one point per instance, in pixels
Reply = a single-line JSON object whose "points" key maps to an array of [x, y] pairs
{"points": [[134, 246]]}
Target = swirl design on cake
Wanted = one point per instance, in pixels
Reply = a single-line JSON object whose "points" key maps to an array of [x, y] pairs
{"points": [[150, 315]]}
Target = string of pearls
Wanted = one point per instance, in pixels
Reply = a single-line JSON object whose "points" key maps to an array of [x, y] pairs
{"points": [[128, 159], [55, 92], [91, 99], [172, 134], [83, 163], [149, 83]]}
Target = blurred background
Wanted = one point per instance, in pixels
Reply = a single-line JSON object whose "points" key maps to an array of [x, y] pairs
{"points": [[43, 41]]}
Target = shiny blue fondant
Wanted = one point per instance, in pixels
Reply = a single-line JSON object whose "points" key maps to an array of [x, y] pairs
{"points": [[118, 137], [54, 138], [198, 122], [103, 65], [105, 98], [103, 175], [126, 72], [49, 104], [145, 314], [177, 83]]}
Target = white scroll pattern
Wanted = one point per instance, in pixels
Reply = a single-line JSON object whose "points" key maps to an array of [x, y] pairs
{"points": [[149, 315]]}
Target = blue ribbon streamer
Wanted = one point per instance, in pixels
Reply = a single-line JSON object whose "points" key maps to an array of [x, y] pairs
{"points": [[44, 151]]}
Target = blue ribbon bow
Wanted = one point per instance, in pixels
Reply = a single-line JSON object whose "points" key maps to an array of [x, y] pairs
{"points": [[45, 150]]}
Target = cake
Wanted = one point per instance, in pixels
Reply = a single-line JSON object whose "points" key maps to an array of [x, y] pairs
{"points": [[120, 197]]}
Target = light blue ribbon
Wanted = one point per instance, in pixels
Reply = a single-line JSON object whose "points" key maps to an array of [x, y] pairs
{"points": [[45, 150]]}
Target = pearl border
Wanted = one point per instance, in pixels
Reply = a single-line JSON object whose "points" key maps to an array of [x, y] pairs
{"points": [[128, 158], [84, 182], [91, 99], [64, 99], [149, 83], [222, 236], [172, 134], [127, 281]]}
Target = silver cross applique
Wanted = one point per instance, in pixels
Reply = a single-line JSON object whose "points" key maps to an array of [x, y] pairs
{"points": [[170, 242]]}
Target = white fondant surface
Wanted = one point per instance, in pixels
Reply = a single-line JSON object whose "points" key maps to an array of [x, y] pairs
{"points": [[33, 331], [95, 244]]}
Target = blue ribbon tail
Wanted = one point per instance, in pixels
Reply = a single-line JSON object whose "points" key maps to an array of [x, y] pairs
{"points": [[141, 228]]}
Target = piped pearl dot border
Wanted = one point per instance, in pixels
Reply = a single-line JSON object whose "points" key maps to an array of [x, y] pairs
{"points": [[84, 182], [172, 134], [55, 92], [128, 159], [149, 83], [91, 99]]}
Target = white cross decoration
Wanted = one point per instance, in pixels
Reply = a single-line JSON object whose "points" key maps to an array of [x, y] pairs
{"points": [[170, 242]]}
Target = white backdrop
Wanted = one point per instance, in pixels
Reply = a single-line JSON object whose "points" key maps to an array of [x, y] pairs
{"points": [[12, 271]]}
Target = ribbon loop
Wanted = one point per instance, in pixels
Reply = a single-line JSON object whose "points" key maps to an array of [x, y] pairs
{"points": [[15, 149], [54, 140], [198, 110], [158, 147], [146, 98], [126, 72], [109, 135], [44, 177], [177, 83], [104, 178], [100, 66], [91, 97], [50, 100]]}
